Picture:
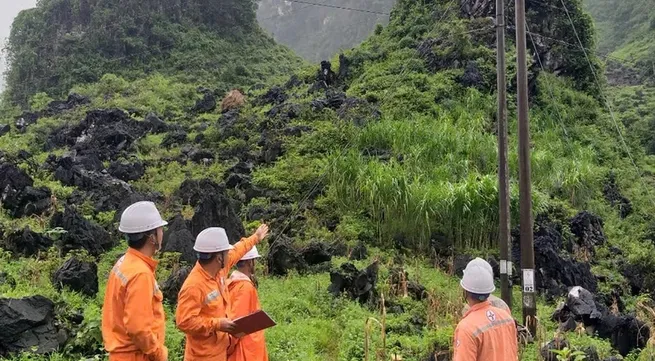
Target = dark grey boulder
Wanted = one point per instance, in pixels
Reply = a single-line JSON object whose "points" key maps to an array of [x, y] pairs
{"points": [[28, 324], [78, 276]]}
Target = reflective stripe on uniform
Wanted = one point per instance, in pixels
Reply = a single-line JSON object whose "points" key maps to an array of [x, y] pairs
{"points": [[212, 296], [490, 326], [116, 270]]}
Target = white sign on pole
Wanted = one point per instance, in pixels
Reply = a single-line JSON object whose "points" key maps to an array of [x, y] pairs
{"points": [[528, 280]]}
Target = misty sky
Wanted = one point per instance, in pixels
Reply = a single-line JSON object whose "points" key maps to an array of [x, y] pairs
{"points": [[8, 10]]}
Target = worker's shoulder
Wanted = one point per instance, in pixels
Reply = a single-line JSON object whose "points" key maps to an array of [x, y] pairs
{"points": [[130, 267], [486, 314], [499, 312], [239, 284], [466, 326], [194, 280]]}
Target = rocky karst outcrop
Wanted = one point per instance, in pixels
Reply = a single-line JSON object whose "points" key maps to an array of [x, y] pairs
{"points": [[556, 271], [25, 242], [587, 229], [206, 104], [358, 285], [77, 275], [613, 195], [106, 133], [18, 194], [126, 171], [172, 286], [178, 238], [81, 233], [28, 324], [212, 208], [625, 332]]}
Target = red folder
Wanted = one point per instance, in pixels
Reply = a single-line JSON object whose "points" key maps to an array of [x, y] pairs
{"points": [[256, 321]]}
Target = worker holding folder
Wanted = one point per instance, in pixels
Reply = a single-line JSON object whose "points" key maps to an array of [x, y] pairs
{"points": [[203, 301], [244, 301]]}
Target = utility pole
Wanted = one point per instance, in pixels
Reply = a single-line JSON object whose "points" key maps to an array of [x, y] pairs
{"points": [[525, 192], [503, 173]]}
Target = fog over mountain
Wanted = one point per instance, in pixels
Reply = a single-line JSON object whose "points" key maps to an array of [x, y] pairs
{"points": [[8, 10], [318, 32]]}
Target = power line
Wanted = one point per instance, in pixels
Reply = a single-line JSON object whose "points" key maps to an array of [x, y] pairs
{"points": [[607, 56], [550, 88], [339, 7], [599, 53]]}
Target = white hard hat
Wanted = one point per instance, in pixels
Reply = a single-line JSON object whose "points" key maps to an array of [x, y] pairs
{"points": [[477, 279], [479, 261], [252, 254], [140, 217], [212, 240]]}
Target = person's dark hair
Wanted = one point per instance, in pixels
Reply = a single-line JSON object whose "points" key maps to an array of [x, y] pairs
{"points": [[138, 240], [242, 263], [206, 258], [479, 297]]}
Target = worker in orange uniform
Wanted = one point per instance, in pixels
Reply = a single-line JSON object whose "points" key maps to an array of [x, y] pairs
{"points": [[203, 301], [486, 333], [132, 314], [495, 301], [244, 301]]}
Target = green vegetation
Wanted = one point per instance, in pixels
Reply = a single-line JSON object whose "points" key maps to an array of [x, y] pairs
{"points": [[413, 159], [62, 43], [625, 30]]}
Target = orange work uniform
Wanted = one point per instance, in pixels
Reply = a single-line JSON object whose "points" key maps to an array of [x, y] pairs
{"points": [[244, 301], [486, 333], [202, 302], [133, 321]]}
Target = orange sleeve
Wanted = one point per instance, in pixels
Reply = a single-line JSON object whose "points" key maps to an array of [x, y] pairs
{"points": [[240, 249], [138, 316], [466, 346], [187, 314]]}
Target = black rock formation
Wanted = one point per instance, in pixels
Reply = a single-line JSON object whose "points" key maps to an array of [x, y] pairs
{"points": [[81, 233], [178, 238], [79, 276], [555, 271], [172, 286], [17, 194], [358, 285], [26, 243], [27, 324]]}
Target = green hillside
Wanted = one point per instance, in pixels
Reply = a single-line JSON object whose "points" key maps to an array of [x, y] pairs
{"points": [[386, 160], [625, 30], [61, 43]]}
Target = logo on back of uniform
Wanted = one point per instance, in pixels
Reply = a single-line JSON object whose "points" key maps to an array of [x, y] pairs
{"points": [[491, 315]]}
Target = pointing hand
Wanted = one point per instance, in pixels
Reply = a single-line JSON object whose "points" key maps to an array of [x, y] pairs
{"points": [[262, 232]]}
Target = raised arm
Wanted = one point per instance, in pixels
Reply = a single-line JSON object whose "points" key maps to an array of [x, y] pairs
{"points": [[244, 245]]}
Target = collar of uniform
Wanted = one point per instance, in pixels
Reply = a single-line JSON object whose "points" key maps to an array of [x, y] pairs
{"points": [[479, 306], [148, 260], [239, 276], [205, 274]]}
